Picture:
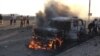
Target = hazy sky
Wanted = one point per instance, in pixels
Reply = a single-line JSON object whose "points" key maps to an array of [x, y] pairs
{"points": [[25, 7], [84, 4], [30, 7]]}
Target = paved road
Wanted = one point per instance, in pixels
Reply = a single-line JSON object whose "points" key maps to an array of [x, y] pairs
{"points": [[8, 35], [88, 48], [12, 43]]}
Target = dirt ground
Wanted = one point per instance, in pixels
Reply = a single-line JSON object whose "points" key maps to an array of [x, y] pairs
{"points": [[6, 24]]}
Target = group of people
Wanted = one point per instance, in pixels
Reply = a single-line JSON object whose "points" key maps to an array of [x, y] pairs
{"points": [[94, 26], [24, 20], [13, 19]]}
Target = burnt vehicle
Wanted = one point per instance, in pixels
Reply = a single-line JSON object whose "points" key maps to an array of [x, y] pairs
{"points": [[53, 33], [78, 30]]}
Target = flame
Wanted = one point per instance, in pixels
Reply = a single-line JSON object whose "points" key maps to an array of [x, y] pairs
{"points": [[35, 44]]}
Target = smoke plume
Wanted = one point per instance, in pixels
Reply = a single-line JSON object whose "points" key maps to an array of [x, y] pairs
{"points": [[54, 8]]}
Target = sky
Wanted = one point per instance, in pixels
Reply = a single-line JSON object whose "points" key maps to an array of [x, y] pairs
{"points": [[83, 6], [31, 7], [24, 7]]}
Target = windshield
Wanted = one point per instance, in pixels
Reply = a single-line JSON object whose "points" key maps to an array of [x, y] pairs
{"points": [[45, 32], [62, 25]]}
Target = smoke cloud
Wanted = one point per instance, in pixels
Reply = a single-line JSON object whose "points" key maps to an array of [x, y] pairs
{"points": [[54, 8]]}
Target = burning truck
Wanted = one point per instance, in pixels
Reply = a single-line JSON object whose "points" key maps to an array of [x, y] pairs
{"points": [[51, 34]]}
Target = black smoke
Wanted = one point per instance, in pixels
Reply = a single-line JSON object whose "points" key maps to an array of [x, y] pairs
{"points": [[54, 9]]}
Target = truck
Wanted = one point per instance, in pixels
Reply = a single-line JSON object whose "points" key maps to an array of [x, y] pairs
{"points": [[51, 34]]}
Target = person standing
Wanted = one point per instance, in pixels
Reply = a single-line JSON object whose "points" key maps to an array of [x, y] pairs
{"points": [[90, 27], [24, 21], [11, 19], [95, 26], [99, 26], [1, 19], [27, 21], [14, 19], [21, 21]]}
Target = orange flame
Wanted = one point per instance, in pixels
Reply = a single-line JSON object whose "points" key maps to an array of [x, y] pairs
{"points": [[35, 44]]}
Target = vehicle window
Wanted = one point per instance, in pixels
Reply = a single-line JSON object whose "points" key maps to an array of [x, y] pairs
{"points": [[62, 25], [43, 33]]}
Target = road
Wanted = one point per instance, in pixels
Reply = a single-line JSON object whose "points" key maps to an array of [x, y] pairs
{"points": [[13, 43], [88, 48]]}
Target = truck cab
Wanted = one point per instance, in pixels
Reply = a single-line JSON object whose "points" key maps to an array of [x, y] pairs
{"points": [[72, 28]]}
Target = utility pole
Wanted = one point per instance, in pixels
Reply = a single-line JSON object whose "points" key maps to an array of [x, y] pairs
{"points": [[89, 12]]}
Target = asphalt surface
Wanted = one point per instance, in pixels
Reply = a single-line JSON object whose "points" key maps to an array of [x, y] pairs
{"points": [[88, 48], [13, 43]]}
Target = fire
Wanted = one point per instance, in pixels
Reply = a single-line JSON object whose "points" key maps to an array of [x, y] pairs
{"points": [[36, 44]]}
